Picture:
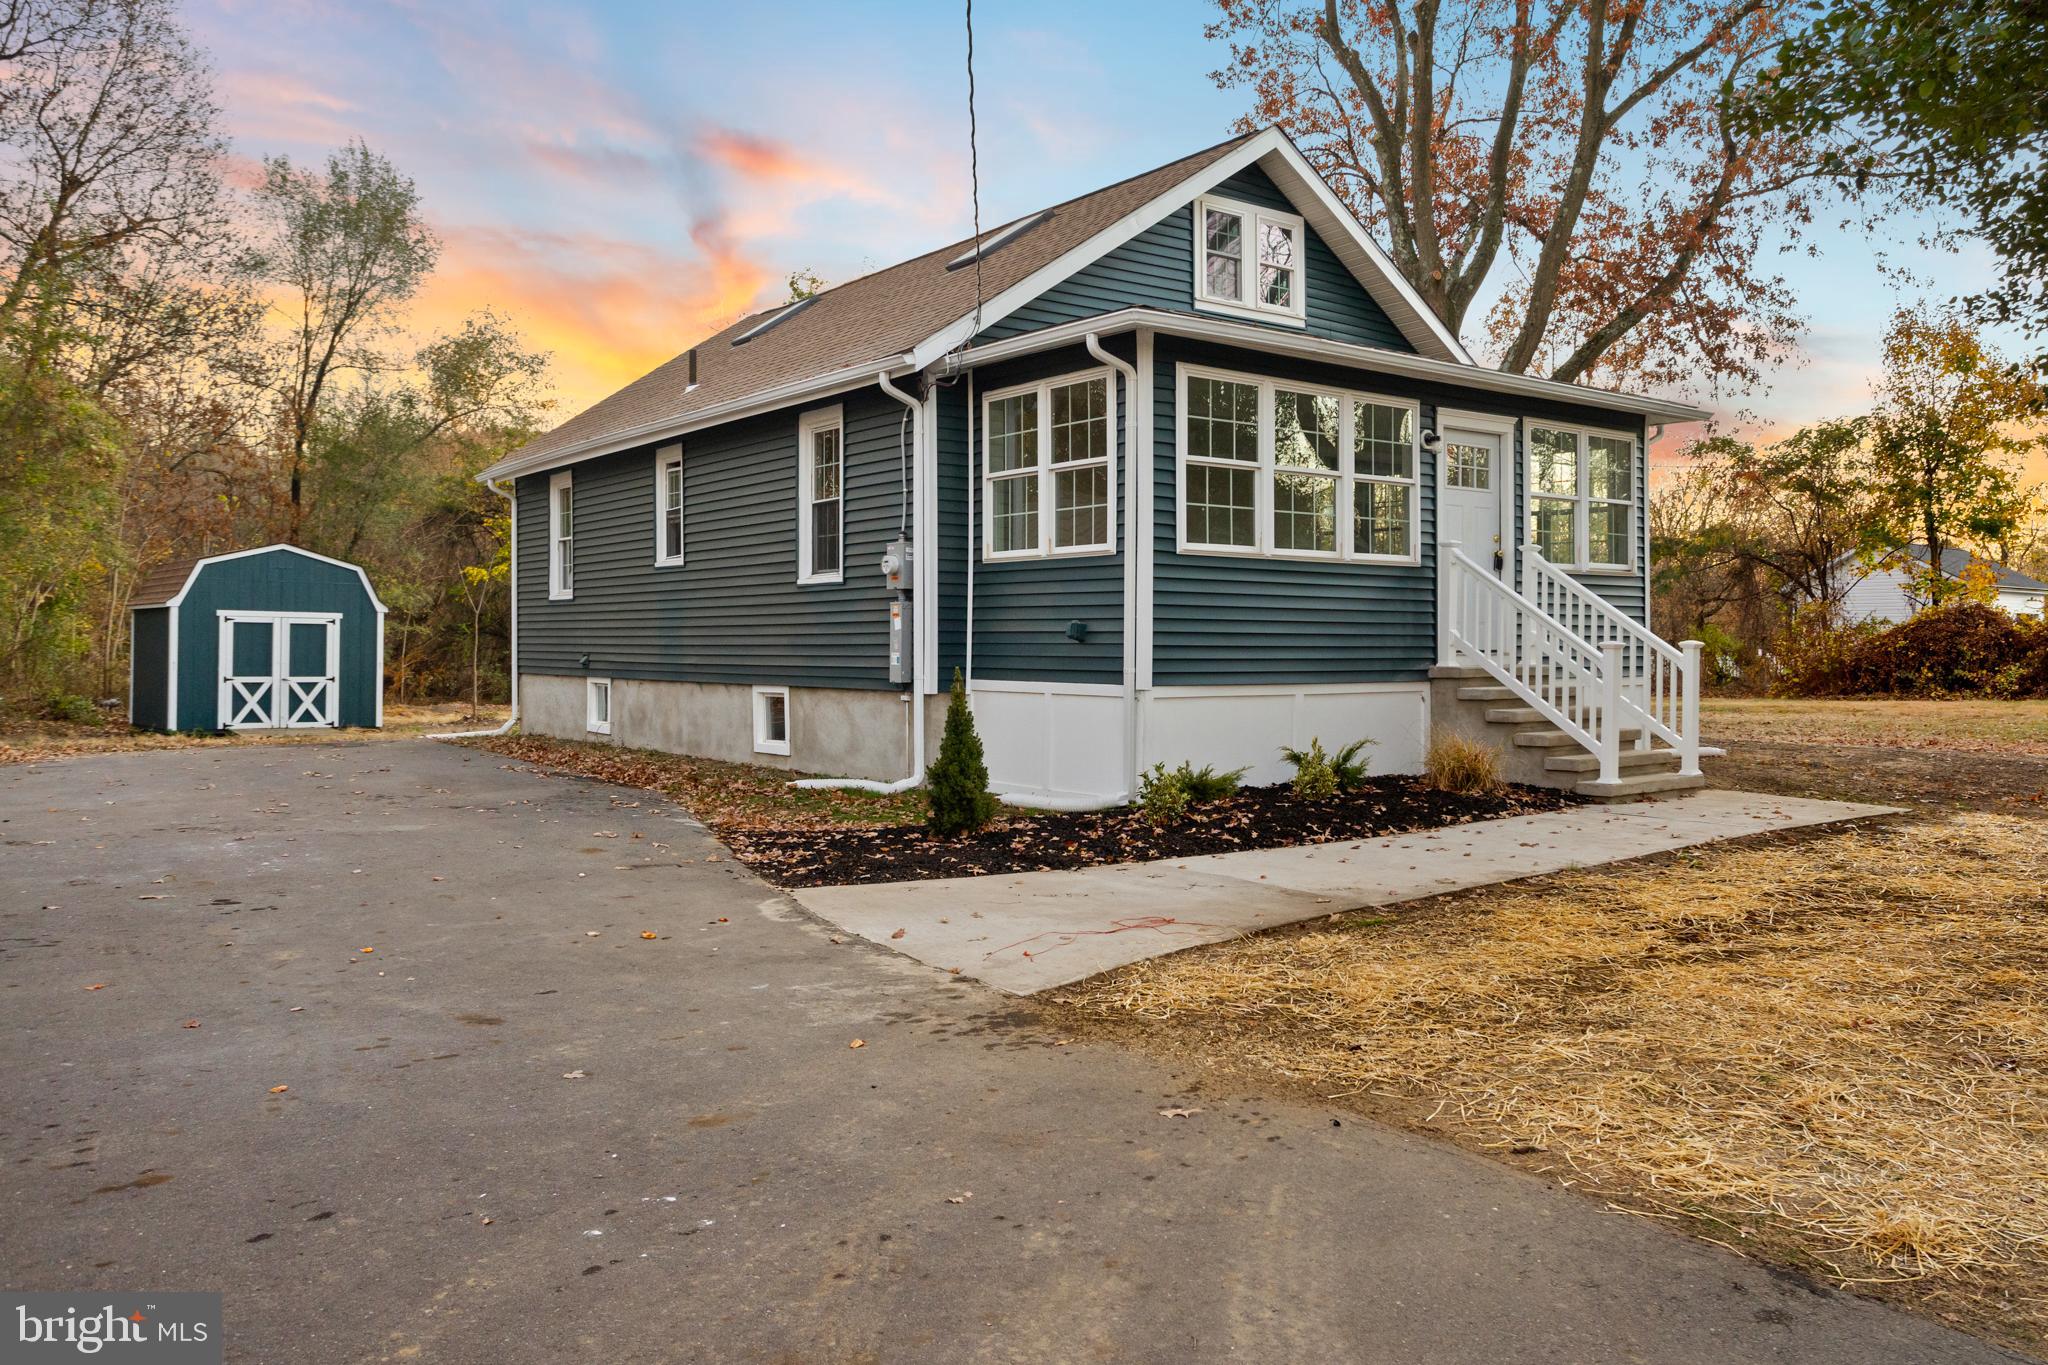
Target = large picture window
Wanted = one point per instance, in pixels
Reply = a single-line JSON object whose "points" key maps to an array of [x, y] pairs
{"points": [[1048, 473], [1294, 471], [1249, 259], [1582, 497], [821, 496]]}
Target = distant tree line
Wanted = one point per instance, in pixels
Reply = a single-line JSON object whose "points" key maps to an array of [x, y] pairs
{"points": [[188, 366]]}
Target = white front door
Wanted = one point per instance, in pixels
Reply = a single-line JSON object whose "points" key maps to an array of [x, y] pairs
{"points": [[1471, 482], [279, 670]]}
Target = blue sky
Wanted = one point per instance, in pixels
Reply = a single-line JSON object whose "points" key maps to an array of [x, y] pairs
{"points": [[621, 178]]}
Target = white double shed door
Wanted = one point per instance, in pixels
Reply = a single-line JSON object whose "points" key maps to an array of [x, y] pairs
{"points": [[279, 670]]}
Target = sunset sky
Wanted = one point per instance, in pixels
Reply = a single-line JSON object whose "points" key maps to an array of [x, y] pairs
{"points": [[622, 178]]}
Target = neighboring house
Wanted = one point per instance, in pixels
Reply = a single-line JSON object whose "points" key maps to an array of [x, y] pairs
{"points": [[1175, 485], [1884, 590]]}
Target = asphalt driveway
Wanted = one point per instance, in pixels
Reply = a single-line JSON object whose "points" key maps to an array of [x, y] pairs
{"points": [[518, 1130]]}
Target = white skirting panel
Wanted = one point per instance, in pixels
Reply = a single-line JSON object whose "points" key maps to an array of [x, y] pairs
{"points": [[1051, 739], [1244, 727]]}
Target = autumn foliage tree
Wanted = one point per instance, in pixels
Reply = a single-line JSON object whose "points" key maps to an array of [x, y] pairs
{"points": [[1566, 166]]}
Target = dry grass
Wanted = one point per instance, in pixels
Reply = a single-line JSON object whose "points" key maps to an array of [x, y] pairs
{"points": [[46, 741], [1457, 764], [1836, 1048], [2013, 727]]}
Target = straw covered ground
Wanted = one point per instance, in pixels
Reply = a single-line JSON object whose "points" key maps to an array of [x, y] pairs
{"points": [[1830, 1051]]}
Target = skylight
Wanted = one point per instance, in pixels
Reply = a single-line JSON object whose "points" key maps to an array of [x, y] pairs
{"points": [[999, 239]]}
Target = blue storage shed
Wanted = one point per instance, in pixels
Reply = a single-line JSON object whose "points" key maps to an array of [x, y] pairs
{"points": [[273, 638]]}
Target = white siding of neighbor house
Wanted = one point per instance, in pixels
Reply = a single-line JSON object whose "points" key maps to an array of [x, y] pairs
{"points": [[1879, 596]]}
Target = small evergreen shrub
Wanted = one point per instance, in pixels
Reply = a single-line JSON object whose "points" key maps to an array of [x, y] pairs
{"points": [[1348, 767], [957, 782], [1314, 778], [1463, 766], [1206, 784]]}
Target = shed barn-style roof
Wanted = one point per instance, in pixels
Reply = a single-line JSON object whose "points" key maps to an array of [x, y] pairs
{"points": [[164, 585]]}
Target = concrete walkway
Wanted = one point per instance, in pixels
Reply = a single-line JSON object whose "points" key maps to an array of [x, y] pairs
{"points": [[1036, 930]]}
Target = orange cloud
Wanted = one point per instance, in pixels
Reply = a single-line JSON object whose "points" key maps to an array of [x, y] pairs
{"points": [[608, 310]]}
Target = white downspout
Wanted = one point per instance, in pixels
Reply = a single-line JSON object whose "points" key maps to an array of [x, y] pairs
{"points": [[1131, 542], [919, 542], [512, 581]]}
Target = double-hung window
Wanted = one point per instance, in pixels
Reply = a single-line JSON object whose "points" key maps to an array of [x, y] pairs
{"points": [[668, 505], [1294, 471], [1582, 497], [1048, 469], [561, 535], [821, 496], [1249, 260]]}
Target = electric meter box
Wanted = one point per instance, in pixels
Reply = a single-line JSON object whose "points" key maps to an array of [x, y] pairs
{"points": [[901, 616], [896, 565]]}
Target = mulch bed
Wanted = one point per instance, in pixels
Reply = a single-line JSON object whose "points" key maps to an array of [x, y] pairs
{"points": [[1257, 817]]}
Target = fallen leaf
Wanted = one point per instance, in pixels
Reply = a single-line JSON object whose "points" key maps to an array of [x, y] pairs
{"points": [[649, 933], [576, 1075], [369, 950], [960, 1198], [296, 1009], [489, 1221], [1177, 1113], [97, 986], [899, 933], [149, 898], [191, 1023], [279, 1089], [590, 933], [858, 1042], [837, 938]]}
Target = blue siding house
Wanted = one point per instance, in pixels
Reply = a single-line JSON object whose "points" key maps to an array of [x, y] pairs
{"points": [[1179, 469]]}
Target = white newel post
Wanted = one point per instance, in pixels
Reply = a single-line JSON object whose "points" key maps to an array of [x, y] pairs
{"points": [[1610, 711], [1446, 562], [1689, 694]]}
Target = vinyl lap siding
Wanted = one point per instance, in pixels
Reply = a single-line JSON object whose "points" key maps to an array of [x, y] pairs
{"points": [[1022, 606], [1156, 269], [733, 611], [149, 644]]}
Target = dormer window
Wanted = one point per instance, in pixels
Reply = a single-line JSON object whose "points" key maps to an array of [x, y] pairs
{"points": [[1249, 260]]}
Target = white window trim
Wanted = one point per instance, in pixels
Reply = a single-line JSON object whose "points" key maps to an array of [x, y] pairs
{"points": [[591, 722], [1045, 468], [663, 458], [556, 589], [1248, 266], [1583, 500], [812, 422], [763, 744], [1345, 475]]}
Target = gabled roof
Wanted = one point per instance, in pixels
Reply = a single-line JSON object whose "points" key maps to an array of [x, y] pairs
{"points": [[905, 317], [1954, 561], [164, 586]]}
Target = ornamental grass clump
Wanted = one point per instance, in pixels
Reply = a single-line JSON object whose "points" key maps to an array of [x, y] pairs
{"points": [[1462, 766], [957, 781]]}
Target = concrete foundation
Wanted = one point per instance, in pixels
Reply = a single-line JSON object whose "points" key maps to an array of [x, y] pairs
{"points": [[834, 732]]}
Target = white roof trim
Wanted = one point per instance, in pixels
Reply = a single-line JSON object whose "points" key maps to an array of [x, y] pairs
{"points": [[199, 564], [1287, 341], [1325, 212]]}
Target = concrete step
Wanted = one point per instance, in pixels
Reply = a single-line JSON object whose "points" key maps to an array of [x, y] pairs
{"points": [[1632, 760], [1628, 788], [1489, 692], [1548, 736], [1457, 671]]}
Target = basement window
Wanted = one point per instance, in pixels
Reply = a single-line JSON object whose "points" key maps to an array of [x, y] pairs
{"points": [[597, 705], [771, 720]]}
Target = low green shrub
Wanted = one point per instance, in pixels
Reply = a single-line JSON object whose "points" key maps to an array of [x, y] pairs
{"points": [[1165, 794], [70, 708], [1315, 778]]}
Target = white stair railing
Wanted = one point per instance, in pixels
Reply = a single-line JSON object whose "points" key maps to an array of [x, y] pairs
{"points": [[1658, 680], [1570, 682]]}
